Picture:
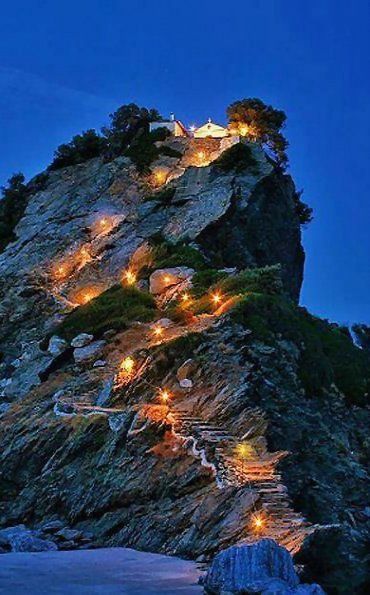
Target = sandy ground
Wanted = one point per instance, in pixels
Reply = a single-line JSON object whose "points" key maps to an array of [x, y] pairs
{"points": [[110, 571]]}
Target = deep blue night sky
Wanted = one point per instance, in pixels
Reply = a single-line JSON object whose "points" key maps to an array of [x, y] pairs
{"points": [[64, 66]]}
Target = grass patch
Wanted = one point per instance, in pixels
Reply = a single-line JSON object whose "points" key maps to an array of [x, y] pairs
{"points": [[180, 254], [327, 352], [238, 158], [265, 280], [261, 280], [112, 309], [205, 279]]}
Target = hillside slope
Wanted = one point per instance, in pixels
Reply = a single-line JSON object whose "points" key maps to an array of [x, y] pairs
{"points": [[263, 429]]}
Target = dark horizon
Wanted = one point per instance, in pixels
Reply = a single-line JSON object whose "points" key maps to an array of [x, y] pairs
{"points": [[65, 72]]}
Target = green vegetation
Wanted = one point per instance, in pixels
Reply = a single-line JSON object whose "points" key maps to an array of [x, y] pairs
{"points": [[183, 346], [238, 158], [327, 352], [89, 434], [259, 280], [264, 122], [115, 308], [128, 133], [12, 207], [205, 279], [168, 255], [127, 124], [143, 150], [169, 152], [13, 202], [266, 280], [303, 211], [81, 148]]}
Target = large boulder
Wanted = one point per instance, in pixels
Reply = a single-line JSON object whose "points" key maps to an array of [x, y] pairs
{"points": [[82, 340], [163, 279], [57, 345], [85, 354], [262, 567], [21, 539], [28, 542]]}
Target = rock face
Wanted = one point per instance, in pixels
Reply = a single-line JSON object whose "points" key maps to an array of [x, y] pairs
{"points": [[114, 455], [48, 536], [61, 246], [57, 346], [163, 279], [88, 353], [82, 340], [258, 228], [263, 567], [20, 539]]}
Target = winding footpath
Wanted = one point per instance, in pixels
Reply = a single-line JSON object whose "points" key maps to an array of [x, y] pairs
{"points": [[217, 447]]}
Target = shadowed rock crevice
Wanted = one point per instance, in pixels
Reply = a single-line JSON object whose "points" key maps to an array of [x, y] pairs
{"points": [[259, 230]]}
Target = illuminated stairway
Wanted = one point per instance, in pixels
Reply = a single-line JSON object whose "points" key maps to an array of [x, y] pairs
{"points": [[279, 521]]}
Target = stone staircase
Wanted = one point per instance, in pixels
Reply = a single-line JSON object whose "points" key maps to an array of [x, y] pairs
{"points": [[257, 472]]}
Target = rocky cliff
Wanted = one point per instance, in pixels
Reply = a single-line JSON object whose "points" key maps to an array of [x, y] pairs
{"points": [[242, 417]]}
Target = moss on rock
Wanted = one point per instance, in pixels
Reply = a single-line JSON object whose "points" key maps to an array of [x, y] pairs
{"points": [[115, 308]]}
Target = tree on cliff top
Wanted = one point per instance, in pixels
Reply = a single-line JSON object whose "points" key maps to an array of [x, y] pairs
{"points": [[263, 122], [81, 148], [127, 123]]}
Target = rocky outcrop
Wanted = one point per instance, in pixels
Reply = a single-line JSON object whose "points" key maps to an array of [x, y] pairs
{"points": [[20, 539], [263, 567], [171, 279], [89, 352], [80, 233], [48, 536], [258, 228], [148, 458]]}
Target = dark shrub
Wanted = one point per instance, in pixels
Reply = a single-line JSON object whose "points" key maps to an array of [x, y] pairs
{"points": [[179, 254], [127, 123], [81, 148], [302, 209], [327, 353], [238, 158], [169, 152], [12, 206]]}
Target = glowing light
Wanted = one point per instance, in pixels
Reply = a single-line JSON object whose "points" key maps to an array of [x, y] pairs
{"points": [[164, 395], [61, 271], [244, 450], [127, 366], [258, 522], [201, 154], [158, 331], [192, 128], [160, 177], [167, 279], [243, 129], [87, 296], [185, 298], [130, 277], [216, 298], [85, 252]]}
